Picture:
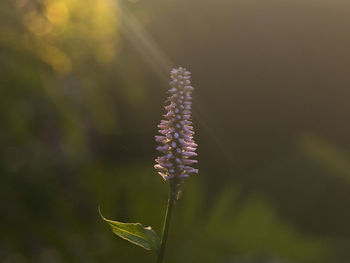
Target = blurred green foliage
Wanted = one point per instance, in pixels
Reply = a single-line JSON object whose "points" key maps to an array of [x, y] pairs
{"points": [[82, 86], [66, 229]]}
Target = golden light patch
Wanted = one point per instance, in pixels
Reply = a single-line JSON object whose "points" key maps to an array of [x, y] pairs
{"points": [[54, 57], [57, 13], [36, 24]]}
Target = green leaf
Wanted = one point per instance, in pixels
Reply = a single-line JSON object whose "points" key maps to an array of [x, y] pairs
{"points": [[136, 233]]}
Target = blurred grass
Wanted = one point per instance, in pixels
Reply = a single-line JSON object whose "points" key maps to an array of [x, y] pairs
{"points": [[61, 227]]}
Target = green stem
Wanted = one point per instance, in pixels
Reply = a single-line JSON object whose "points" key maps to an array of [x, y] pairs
{"points": [[169, 209]]}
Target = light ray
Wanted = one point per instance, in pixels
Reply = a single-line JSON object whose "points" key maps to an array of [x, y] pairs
{"points": [[161, 64], [143, 42]]}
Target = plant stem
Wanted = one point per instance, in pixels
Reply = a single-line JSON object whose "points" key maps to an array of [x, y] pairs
{"points": [[169, 209]]}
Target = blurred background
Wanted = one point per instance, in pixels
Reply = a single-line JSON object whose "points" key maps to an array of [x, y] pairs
{"points": [[82, 90]]}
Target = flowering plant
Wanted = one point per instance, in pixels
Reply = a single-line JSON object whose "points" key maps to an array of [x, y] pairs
{"points": [[177, 147]]}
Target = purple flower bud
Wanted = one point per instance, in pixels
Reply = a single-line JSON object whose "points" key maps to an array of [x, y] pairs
{"points": [[163, 148], [176, 142], [189, 161], [160, 138], [169, 165], [189, 154], [191, 149], [187, 137], [164, 131], [190, 169]]}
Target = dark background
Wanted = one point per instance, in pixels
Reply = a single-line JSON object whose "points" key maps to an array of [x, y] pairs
{"points": [[82, 89]]}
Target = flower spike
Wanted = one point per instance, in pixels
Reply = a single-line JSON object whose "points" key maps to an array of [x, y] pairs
{"points": [[176, 140]]}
